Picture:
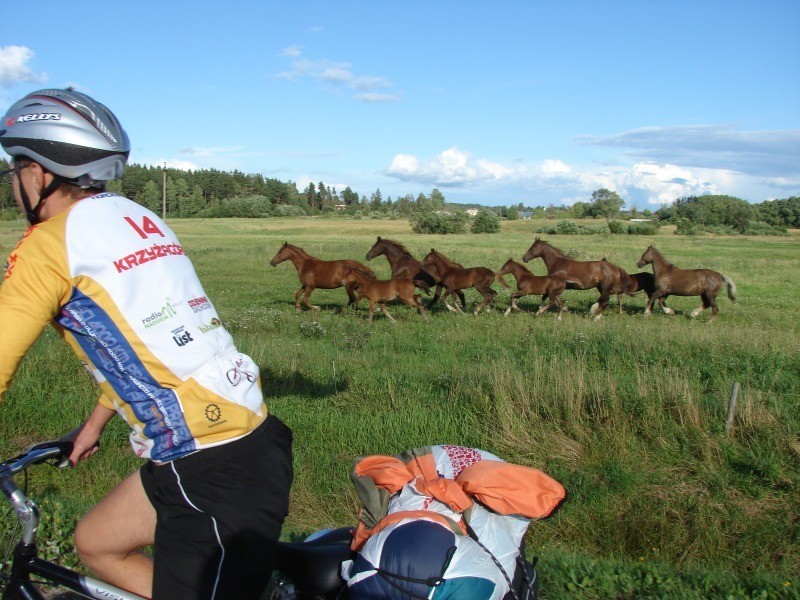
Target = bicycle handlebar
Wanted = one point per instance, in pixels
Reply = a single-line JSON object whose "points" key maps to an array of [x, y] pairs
{"points": [[24, 508], [40, 453]]}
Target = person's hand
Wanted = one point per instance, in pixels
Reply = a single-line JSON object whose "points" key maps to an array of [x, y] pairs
{"points": [[84, 443], [85, 438]]}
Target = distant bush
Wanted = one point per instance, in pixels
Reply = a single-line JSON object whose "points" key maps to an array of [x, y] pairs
{"points": [[685, 227], [567, 227], [287, 210], [761, 228], [642, 229], [437, 222], [486, 222], [617, 227]]}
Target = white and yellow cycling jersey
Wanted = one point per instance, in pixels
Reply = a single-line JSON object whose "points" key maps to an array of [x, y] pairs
{"points": [[113, 279]]}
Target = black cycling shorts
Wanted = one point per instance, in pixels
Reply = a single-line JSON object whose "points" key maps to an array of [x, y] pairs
{"points": [[219, 515]]}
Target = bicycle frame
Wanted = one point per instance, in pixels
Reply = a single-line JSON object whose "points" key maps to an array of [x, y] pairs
{"points": [[26, 562]]}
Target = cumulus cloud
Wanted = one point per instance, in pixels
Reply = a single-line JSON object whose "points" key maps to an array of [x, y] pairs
{"points": [[15, 67], [335, 76], [758, 153], [452, 167], [644, 183]]}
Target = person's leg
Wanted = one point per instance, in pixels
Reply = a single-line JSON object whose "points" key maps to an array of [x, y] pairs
{"points": [[110, 537]]}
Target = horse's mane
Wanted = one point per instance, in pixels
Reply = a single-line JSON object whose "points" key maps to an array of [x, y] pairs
{"points": [[363, 272], [558, 251], [444, 258], [518, 265], [397, 245], [297, 249]]}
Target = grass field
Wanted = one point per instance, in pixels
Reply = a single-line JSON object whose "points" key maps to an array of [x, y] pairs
{"points": [[628, 413]]}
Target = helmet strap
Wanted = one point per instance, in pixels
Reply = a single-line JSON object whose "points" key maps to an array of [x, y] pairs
{"points": [[33, 212]]}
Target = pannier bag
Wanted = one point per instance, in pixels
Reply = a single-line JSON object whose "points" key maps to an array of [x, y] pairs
{"points": [[446, 523]]}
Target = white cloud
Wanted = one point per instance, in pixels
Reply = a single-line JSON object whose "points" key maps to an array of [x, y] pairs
{"points": [[554, 167], [336, 75], [15, 68], [644, 183]]}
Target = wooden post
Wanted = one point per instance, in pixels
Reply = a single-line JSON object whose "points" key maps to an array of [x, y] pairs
{"points": [[731, 407]]}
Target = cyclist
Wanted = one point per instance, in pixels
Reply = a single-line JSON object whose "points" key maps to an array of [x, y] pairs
{"points": [[114, 281]]}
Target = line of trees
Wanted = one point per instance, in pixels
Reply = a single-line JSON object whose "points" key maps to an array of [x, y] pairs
{"points": [[214, 193]]}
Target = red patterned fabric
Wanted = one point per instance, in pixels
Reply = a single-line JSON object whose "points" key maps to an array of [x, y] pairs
{"points": [[461, 457]]}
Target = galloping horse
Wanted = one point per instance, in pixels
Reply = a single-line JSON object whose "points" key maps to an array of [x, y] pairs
{"points": [[315, 273], [379, 291], [549, 286], [670, 280], [607, 277], [454, 277], [403, 264]]}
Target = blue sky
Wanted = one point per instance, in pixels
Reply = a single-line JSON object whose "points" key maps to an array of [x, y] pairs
{"points": [[500, 102]]}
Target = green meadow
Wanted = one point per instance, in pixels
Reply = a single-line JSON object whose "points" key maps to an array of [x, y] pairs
{"points": [[628, 413]]}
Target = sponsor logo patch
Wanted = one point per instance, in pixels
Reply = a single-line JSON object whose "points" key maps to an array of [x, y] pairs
{"points": [[168, 310], [199, 304], [206, 327], [181, 337], [145, 255], [33, 117]]}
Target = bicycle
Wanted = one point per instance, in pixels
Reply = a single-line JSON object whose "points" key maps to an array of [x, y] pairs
{"points": [[306, 569], [28, 571]]}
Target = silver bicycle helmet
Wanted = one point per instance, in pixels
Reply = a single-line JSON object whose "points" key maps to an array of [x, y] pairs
{"points": [[69, 134]]}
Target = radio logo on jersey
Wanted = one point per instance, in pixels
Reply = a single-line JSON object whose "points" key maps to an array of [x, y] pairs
{"points": [[167, 311], [199, 304]]}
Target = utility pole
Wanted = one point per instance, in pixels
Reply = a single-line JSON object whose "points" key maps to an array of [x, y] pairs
{"points": [[164, 194]]}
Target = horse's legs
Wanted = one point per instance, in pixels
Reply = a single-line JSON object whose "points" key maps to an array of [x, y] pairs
{"points": [[351, 288], [657, 295], [600, 305], [460, 294], [297, 298], [371, 308], [386, 312], [488, 296], [454, 308], [304, 299], [514, 305], [419, 306], [437, 293]]}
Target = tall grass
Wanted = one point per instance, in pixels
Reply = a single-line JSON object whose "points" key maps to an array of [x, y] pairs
{"points": [[628, 413]]}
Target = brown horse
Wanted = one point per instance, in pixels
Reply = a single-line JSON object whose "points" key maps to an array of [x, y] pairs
{"points": [[548, 286], [315, 273], [454, 277], [607, 277], [403, 264], [670, 280], [379, 291], [641, 282]]}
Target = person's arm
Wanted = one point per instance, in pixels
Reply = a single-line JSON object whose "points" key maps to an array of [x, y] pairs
{"points": [[84, 438], [32, 290]]}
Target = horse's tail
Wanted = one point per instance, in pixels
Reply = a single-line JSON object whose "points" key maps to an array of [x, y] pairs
{"points": [[502, 281], [731, 288]]}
